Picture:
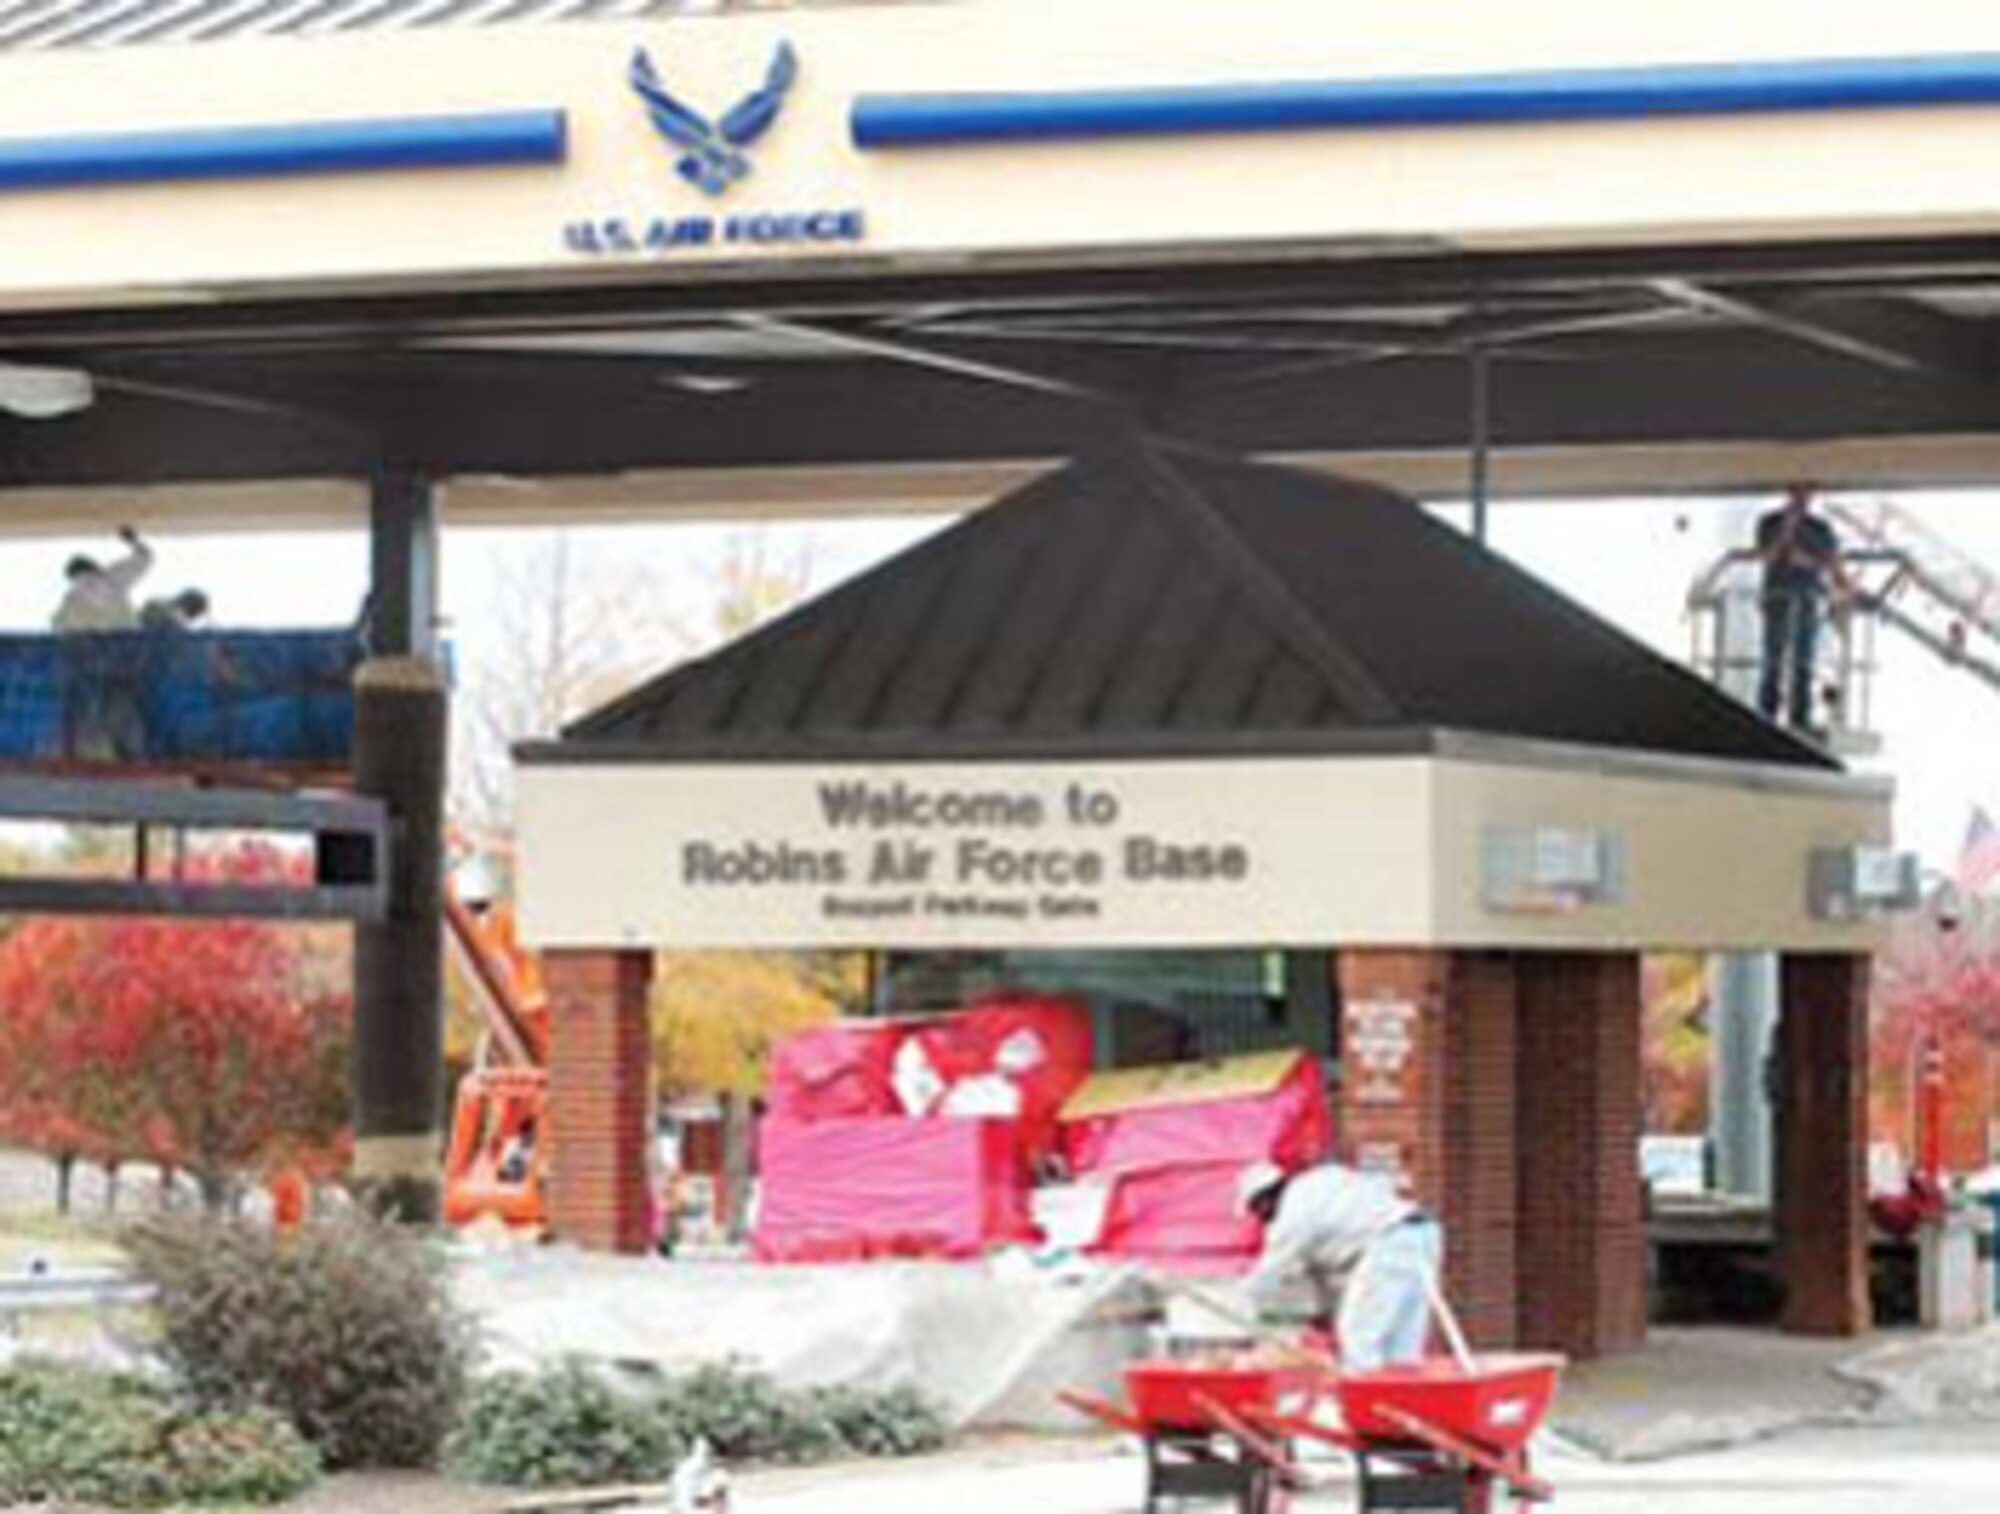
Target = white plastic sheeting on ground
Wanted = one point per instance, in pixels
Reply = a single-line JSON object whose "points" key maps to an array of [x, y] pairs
{"points": [[1928, 1377], [988, 1342], [1695, 1390]]}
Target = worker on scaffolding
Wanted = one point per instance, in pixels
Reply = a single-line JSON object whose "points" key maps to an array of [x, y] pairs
{"points": [[104, 711], [185, 611], [99, 595], [1338, 1228], [1800, 553]]}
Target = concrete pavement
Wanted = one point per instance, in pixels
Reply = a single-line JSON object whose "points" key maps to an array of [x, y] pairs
{"points": [[1927, 1469]]}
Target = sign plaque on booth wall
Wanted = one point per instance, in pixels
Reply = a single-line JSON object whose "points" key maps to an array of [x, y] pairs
{"points": [[1380, 1042]]}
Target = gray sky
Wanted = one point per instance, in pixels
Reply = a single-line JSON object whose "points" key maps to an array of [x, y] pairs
{"points": [[1630, 561]]}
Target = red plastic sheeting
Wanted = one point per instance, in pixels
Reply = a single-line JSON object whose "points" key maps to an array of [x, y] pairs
{"points": [[1033, 1051], [835, 1072], [1182, 1216], [852, 1189], [1287, 1124], [1173, 1168], [1041, 1046]]}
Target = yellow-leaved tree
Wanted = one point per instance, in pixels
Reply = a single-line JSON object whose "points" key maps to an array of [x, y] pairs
{"points": [[579, 618], [717, 1014]]}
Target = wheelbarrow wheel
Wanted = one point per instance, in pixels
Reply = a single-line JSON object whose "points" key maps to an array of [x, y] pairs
{"points": [[1478, 1491], [1268, 1493], [1420, 1478]]}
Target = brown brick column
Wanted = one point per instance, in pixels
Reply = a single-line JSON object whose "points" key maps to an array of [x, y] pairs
{"points": [[1582, 1256], [1428, 1092], [600, 1066], [1481, 1206], [1821, 1210]]}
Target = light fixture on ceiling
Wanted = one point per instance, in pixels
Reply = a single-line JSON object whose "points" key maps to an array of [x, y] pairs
{"points": [[708, 384], [44, 394]]}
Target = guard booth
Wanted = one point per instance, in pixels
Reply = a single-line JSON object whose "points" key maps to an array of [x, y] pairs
{"points": [[1166, 702]]}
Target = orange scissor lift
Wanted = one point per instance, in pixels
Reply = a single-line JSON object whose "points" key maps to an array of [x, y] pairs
{"points": [[498, 1154]]}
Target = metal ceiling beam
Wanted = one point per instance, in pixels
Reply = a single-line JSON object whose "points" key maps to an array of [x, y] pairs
{"points": [[1894, 334], [1395, 274], [529, 417], [919, 355], [1947, 345]]}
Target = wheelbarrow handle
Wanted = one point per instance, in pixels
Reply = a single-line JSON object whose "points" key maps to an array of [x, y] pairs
{"points": [[1511, 1468], [1288, 1350], [1292, 1427], [1103, 1411], [1447, 1319], [1273, 1453]]}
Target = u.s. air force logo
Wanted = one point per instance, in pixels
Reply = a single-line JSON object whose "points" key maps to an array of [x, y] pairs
{"points": [[712, 155]]}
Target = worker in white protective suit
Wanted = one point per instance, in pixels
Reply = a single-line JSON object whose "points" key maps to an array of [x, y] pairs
{"points": [[1339, 1228], [98, 596]]}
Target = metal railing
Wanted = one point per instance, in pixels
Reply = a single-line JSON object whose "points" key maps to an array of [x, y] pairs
{"points": [[1952, 612]]}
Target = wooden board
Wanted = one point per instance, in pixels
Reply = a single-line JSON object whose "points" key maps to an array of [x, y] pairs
{"points": [[1126, 1089]]}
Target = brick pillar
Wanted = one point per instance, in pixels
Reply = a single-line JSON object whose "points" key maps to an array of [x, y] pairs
{"points": [[600, 1066], [1582, 1255], [1428, 1092], [1481, 1207], [1821, 1210]]}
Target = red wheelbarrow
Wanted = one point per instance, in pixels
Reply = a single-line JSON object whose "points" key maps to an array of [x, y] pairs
{"points": [[1208, 1427], [1445, 1434]]}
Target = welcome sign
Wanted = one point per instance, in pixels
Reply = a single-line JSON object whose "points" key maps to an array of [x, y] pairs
{"points": [[1183, 852], [959, 854], [900, 849]]}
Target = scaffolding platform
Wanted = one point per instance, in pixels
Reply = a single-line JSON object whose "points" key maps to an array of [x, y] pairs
{"points": [[179, 699], [349, 835]]}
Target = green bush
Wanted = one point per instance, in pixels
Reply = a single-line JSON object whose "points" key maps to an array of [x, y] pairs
{"points": [[746, 1416], [566, 1427], [71, 1434], [882, 1423], [344, 1328], [561, 1428], [239, 1456]]}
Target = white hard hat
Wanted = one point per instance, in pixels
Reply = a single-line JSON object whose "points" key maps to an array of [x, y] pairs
{"points": [[1256, 1180]]}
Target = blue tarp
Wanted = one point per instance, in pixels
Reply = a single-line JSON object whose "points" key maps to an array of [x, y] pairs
{"points": [[179, 696]]}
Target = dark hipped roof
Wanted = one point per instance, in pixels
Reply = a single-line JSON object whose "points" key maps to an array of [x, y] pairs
{"points": [[1155, 601]]}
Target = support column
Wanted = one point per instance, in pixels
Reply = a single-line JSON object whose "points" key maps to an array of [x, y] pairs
{"points": [[1428, 1093], [400, 721], [1744, 998], [402, 565], [600, 1097], [1821, 1209], [1582, 1224]]}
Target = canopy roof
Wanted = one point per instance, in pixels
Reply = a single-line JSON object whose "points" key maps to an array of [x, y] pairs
{"points": [[39, 25], [1154, 600], [1736, 300]]}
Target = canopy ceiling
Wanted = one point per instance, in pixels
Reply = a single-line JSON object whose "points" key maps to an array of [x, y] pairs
{"points": [[1692, 367]]}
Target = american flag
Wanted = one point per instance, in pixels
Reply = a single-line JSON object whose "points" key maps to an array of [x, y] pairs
{"points": [[1979, 857]]}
